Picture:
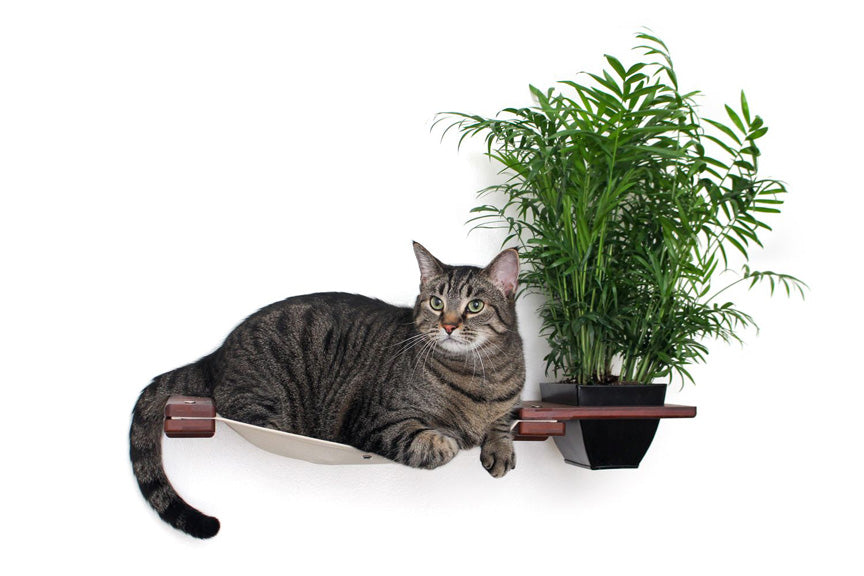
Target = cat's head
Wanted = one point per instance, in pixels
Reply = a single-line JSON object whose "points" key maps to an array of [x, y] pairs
{"points": [[464, 308]]}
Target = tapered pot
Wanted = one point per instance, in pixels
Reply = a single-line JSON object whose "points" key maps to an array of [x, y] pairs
{"points": [[605, 444]]}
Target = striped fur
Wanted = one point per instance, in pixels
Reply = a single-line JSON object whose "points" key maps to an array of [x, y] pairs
{"points": [[413, 385]]}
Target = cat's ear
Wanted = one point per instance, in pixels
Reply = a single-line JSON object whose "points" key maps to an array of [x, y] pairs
{"points": [[429, 265], [503, 271]]}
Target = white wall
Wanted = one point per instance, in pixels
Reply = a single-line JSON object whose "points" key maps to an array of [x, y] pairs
{"points": [[166, 168]]}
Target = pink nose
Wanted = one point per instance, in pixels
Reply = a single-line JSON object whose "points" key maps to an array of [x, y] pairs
{"points": [[449, 328]]}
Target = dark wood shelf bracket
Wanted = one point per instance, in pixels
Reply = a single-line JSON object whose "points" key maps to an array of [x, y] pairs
{"points": [[540, 420], [190, 417]]}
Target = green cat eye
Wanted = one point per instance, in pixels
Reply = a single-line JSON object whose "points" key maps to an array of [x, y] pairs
{"points": [[475, 306], [436, 303]]}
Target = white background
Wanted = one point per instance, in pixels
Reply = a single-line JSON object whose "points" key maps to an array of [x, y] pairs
{"points": [[166, 168]]}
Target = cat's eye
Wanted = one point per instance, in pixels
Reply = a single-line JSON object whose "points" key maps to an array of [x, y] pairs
{"points": [[436, 303], [475, 306]]}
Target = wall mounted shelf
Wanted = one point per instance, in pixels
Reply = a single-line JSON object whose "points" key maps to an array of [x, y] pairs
{"points": [[195, 417], [540, 420]]}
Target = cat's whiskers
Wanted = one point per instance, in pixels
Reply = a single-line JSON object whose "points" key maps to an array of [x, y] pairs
{"points": [[488, 343], [409, 339], [476, 352], [483, 347], [430, 350], [424, 352], [409, 343], [417, 361], [473, 358]]}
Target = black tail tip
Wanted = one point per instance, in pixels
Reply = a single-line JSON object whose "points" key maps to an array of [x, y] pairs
{"points": [[203, 527], [189, 520]]}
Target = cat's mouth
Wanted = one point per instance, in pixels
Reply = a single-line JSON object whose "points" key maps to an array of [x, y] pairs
{"points": [[455, 342]]}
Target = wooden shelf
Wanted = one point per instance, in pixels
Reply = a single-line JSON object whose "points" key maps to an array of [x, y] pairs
{"points": [[190, 417], [550, 411], [539, 420]]}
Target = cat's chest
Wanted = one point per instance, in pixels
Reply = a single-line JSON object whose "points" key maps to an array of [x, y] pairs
{"points": [[470, 404], [472, 419]]}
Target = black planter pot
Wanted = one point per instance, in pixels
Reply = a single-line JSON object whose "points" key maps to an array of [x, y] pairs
{"points": [[605, 444]]}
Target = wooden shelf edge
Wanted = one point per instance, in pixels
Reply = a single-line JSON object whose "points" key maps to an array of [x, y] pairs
{"points": [[563, 412]]}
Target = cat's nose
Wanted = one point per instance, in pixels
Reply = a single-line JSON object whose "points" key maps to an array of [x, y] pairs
{"points": [[449, 328]]}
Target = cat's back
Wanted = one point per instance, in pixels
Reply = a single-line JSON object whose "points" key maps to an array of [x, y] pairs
{"points": [[311, 352], [331, 309], [321, 321]]}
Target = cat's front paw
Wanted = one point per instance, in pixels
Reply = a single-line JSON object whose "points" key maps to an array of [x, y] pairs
{"points": [[431, 449], [498, 456]]}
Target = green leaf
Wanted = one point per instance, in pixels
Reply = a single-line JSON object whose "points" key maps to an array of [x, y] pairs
{"points": [[725, 129], [608, 82], [650, 38], [757, 133], [617, 66], [765, 210], [636, 68], [729, 150], [745, 108], [737, 245], [735, 118]]}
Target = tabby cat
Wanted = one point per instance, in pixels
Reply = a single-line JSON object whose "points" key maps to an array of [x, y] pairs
{"points": [[412, 385]]}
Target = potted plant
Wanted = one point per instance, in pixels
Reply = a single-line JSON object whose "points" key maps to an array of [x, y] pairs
{"points": [[626, 205]]}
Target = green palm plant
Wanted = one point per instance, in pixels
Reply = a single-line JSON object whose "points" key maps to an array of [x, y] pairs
{"points": [[626, 204]]}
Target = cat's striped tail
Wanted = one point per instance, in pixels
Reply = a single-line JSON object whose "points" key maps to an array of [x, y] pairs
{"points": [[145, 448]]}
